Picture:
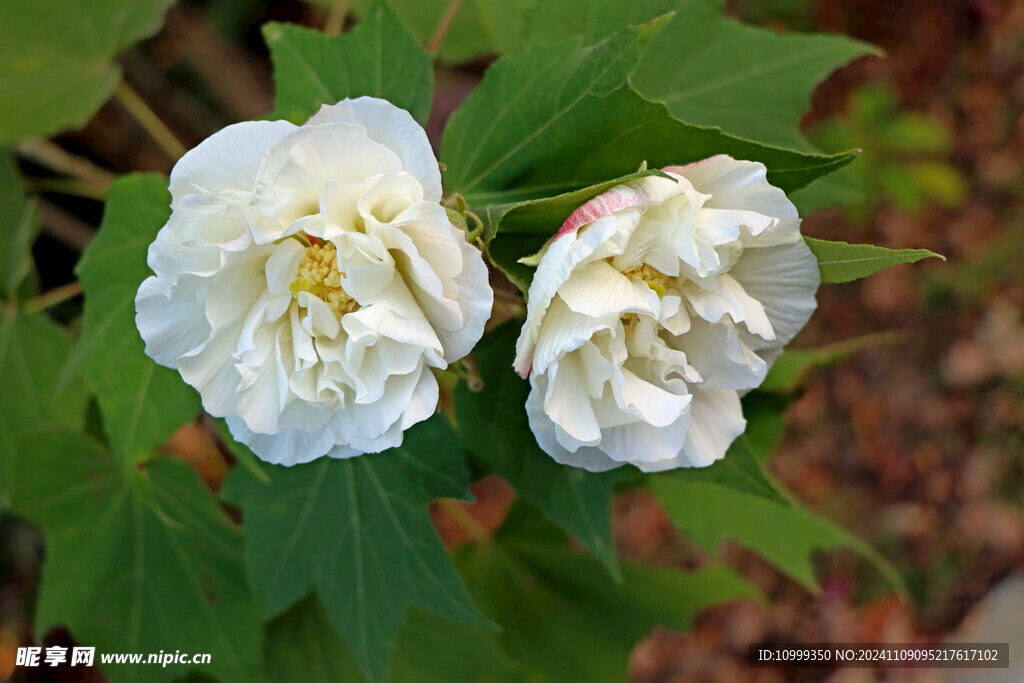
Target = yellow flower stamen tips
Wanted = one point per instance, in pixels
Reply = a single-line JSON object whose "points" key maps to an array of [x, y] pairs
{"points": [[654, 278], [319, 275]]}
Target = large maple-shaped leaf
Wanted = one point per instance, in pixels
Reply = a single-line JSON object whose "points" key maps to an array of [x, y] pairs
{"points": [[713, 70], [494, 426], [564, 618], [563, 117], [710, 69], [303, 643], [18, 228], [377, 58], [56, 59], [32, 350], [142, 402], [783, 532], [357, 533], [136, 560]]}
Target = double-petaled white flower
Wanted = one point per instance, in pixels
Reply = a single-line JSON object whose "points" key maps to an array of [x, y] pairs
{"points": [[655, 305], [309, 279]]}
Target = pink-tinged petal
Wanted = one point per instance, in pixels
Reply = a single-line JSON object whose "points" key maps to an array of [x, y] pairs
{"points": [[618, 198], [562, 256]]}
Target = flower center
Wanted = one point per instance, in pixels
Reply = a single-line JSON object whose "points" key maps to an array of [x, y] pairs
{"points": [[319, 275], [654, 278]]}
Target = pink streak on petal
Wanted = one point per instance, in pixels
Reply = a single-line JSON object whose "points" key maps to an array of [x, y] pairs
{"points": [[608, 202]]}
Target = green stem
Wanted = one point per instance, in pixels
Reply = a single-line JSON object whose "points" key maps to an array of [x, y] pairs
{"points": [[53, 297], [445, 23], [148, 119], [59, 160], [75, 187], [335, 20]]}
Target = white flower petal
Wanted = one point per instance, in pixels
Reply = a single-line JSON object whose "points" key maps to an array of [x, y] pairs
{"points": [[785, 278], [650, 372], [543, 429], [227, 160], [475, 299], [565, 331], [737, 184], [723, 360], [339, 362], [598, 290], [286, 447], [562, 256], [283, 265], [567, 383], [644, 445], [716, 419], [729, 298], [395, 129], [170, 326]]}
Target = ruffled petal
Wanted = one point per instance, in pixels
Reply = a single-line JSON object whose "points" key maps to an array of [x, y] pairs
{"points": [[170, 326], [598, 290], [562, 256], [395, 129], [723, 360], [784, 279], [228, 160], [475, 299], [737, 184], [716, 419]]}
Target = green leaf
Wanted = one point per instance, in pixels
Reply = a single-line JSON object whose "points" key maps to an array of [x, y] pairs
{"points": [[713, 70], [32, 350], [303, 643], [563, 117], [493, 425], [842, 262], [784, 533], [842, 188], [56, 59], [142, 403], [137, 560], [708, 68], [477, 28], [358, 534], [792, 369], [377, 58], [18, 228], [524, 106], [565, 619]]}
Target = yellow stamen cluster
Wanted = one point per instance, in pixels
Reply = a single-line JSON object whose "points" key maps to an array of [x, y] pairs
{"points": [[319, 275], [654, 278]]}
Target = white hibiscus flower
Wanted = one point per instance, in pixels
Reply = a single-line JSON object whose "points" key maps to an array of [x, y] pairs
{"points": [[654, 307], [308, 281]]}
